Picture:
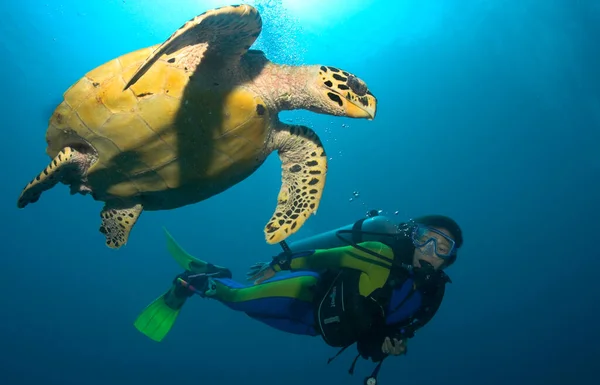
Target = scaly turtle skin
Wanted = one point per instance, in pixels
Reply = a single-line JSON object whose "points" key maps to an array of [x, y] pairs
{"points": [[174, 124]]}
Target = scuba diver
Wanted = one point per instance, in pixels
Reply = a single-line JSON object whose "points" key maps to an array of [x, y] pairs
{"points": [[373, 283]]}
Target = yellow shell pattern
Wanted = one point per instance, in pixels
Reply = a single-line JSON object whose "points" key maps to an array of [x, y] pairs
{"points": [[166, 132]]}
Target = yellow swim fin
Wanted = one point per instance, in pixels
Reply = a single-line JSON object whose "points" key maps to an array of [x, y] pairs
{"points": [[180, 256], [187, 261], [158, 318]]}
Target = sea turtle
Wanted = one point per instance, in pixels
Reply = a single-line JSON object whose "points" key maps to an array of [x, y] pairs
{"points": [[176, 123]]}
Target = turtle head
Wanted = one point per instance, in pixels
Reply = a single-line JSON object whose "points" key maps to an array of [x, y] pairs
{"points": [[343, 94]]}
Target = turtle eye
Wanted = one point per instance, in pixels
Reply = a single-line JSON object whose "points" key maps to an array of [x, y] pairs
{"points": [[357, 86]]}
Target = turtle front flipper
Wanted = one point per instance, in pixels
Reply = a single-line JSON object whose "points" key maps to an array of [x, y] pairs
{"points": [[218, 35], [304, 167], [65, 163], [117, 222]]}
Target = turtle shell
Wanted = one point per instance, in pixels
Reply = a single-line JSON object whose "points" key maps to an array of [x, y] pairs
{"points": [[168, 140]]}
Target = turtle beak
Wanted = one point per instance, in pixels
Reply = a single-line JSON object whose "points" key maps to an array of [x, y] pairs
{"points": [[361, 107], [362, 103], [348, 95]]}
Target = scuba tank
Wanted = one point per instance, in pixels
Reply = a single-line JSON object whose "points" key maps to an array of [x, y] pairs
{"points": [[375, 227]]}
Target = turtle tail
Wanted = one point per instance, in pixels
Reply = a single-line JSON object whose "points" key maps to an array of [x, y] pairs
{"points": [[64, 163]]}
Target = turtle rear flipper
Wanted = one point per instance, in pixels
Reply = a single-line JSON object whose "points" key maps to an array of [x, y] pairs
{"points": [[117, 222], [64, 163], [228, 33], [303, 167]]}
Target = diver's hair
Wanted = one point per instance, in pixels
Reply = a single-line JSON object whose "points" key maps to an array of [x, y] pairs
{"points": [[443, 222]]}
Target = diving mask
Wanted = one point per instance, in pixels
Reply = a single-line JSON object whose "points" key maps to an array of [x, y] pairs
{"points": [[427, 237]]}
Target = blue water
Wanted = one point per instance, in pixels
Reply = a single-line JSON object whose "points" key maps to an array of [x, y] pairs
{"points": [[489, 112]]}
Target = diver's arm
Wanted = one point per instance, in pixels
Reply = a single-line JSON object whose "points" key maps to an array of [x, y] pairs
{"points": [[371, 344], [425, 314], [363, 258]]}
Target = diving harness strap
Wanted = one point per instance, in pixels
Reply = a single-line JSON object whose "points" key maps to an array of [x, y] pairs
{"points": [[284, 259], [372, 379]]}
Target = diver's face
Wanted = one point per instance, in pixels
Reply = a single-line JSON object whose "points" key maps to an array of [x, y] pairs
{"points": [[427, 252]]}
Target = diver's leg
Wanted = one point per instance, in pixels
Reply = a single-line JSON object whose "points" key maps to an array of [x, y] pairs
{"points": [[284, 303]]}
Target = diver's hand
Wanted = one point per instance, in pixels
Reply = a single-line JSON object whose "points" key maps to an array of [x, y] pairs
{"points": [[260, 272], [394, 347]]}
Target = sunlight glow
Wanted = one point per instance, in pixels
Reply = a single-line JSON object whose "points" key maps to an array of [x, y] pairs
{"points": [[322, 12], [312, 13]]}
